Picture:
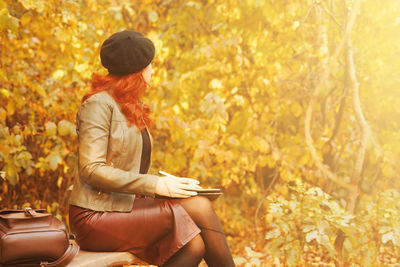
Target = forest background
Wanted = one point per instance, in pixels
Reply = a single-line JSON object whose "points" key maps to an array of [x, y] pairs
{"points": [[291, 106]]}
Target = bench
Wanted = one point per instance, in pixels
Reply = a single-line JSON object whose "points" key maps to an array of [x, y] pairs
{"points": [[104, 259]]}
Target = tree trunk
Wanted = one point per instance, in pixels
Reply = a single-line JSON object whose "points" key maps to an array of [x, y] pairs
{"points": [[322, 44], [364, 129]]}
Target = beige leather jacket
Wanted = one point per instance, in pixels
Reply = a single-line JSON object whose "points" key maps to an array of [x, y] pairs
{"points": [[109, 158]]}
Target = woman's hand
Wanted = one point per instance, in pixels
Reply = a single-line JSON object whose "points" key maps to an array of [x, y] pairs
{"points": [[177, 187]]}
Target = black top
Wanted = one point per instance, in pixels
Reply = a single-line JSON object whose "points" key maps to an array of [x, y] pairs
{"points": [[146, 152]]}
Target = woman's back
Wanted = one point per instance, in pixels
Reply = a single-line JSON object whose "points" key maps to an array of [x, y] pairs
{"points": [[109, 158]]}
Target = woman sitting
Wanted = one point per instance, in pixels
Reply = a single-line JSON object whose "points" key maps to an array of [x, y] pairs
{"points": [[114, 205]]}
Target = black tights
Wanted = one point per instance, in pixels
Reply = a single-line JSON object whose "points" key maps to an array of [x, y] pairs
{"points": [[210, 244]]}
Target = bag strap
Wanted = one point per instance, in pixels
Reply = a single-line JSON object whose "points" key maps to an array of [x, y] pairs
{"points": [[66, 258]]}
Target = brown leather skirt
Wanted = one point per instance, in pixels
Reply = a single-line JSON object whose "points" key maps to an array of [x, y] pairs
{"points": [[153, 230]]}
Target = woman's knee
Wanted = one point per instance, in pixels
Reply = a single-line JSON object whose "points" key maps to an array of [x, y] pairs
{"points": [[196, 247], [197, 203], [200, 209]]}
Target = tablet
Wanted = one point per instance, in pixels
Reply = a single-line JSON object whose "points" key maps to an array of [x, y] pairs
{"points": [[211, 193], [209, 190]]}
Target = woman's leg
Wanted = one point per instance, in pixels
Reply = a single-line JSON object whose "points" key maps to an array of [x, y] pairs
{"points": [[217, 252], [188, 256]]}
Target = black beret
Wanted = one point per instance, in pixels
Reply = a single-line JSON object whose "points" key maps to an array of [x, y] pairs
{"points": [[126, 52]]}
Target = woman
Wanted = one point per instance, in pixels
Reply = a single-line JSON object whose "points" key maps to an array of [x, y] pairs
{"points": [[113, 206]]}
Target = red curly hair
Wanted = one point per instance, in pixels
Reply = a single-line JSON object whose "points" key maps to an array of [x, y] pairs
{"points": [[126, 90]]}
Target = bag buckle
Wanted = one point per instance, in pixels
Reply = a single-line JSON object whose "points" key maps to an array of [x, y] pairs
{"points": [[30, 212]]}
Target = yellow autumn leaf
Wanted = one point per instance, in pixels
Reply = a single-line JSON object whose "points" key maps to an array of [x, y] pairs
{"points": [[51, 128], [3, 114], [66, 128], [216, 84], [10, 108], [296, 109], [81, 67], [7, 22], [33, 4], [53, 160], [59, 181], [5, 92], [3, 76], [153, 16], [58, 74]]}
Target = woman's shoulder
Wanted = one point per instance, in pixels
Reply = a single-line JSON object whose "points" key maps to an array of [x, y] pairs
{"points": [[97, 104], [102, 98]]}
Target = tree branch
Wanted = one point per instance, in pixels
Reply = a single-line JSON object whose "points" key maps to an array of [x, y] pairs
{"points": [[364, 127], [349, 26], [331, 15]]}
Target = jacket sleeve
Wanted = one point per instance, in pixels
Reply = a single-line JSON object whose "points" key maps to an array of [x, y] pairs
{"points": [[93, 125]]}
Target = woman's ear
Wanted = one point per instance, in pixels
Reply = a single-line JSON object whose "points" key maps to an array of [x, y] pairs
{"points": [[147, 72]]}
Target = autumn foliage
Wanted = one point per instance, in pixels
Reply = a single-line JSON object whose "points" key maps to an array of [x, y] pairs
{"points": [[291, 106]]}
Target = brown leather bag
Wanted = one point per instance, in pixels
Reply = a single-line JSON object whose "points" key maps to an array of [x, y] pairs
{"points": [[34, 238]]}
